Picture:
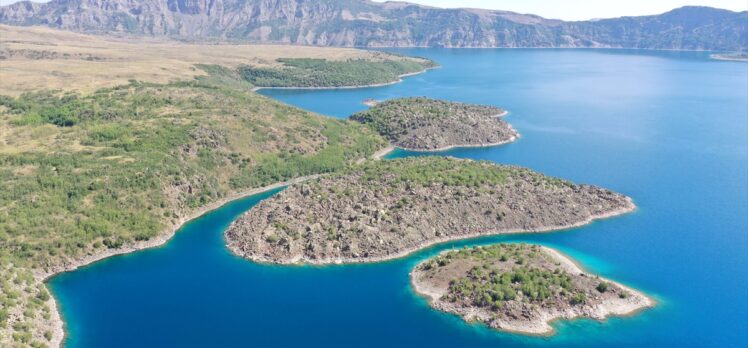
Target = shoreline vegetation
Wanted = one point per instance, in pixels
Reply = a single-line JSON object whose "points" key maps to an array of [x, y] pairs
{"points": [[120, 169], [161, 239], [385, 210], [384, 84], [203, 138], [199, 142], [322, 74], [430, 125], [520, 288]]}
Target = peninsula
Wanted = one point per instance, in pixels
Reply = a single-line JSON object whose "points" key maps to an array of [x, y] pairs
{"points": [[108, 145], [382, 210], [520, 288], [424, 124], [376, 70]]}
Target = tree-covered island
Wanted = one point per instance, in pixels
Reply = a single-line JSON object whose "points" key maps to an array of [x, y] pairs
{"points": [[520, 288]]}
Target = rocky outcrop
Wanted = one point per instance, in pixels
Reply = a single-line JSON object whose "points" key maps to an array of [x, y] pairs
{"points": [[424, 124], [387, 209], [520, 288], [365, 23]]}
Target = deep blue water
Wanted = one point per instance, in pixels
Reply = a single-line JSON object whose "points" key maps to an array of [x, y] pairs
{"points": [[669, 129]]}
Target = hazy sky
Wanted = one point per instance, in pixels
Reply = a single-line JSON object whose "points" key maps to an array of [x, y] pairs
{"points": [[575, 9]]}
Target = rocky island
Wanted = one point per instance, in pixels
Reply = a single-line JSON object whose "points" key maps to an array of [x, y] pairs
{"points": [[520, 288], [386, 209], [424, 124]]}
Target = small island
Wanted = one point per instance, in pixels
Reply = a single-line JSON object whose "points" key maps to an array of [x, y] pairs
{"points": [[735, 57], [423, 124], [382, 210], [520, 288]]}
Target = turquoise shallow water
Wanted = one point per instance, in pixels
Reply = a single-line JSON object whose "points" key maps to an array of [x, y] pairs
{"points": [[669, 129]]}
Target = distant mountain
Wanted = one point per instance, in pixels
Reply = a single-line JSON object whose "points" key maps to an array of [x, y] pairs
{"points": [[365, 23]]}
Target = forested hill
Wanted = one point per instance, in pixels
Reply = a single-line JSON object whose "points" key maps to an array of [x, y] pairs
{"points": [[364, 23]]}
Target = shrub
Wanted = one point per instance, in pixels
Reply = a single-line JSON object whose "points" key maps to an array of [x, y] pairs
{"points": [[43, 295], [3, 317], [578, 298]]}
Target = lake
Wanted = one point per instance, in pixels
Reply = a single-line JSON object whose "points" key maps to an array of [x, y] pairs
{"points": [[669, 129]]}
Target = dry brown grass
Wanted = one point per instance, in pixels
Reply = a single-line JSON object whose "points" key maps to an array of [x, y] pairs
{"points": [[84, 63], [25, 139]]}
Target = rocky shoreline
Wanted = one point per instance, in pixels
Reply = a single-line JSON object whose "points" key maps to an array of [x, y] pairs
{"points": [[423, 124], [335, 219], [381, 153], [509, 140], [524, 305], [436, 241]]}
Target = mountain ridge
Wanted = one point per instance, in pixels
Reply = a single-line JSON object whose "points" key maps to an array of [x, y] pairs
{"points": [[364, 23]]}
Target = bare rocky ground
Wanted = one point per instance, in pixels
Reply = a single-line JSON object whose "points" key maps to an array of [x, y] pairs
{"points": [[424, 124], [520, 288], [386, 209]]}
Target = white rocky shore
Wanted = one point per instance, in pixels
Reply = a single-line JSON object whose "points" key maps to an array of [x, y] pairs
{"points": [[436, 277]]}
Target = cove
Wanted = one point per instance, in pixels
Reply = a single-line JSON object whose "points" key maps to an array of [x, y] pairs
{"points": [[669, 129]]}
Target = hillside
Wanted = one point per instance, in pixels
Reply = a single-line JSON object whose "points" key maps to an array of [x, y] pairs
{"points": [[82, 176], [108, 145], [363, 23], [36, 58]]}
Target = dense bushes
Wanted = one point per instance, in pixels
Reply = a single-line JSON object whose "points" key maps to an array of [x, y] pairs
{"points": [[70, 109], [128, 161], [327, 73], [514, 277]]}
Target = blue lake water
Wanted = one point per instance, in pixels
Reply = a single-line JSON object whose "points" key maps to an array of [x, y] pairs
{"points": [[669, 129]]}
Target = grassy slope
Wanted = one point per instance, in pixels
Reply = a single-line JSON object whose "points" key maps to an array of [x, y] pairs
{"points": [[35, 58], [90, 161], [80, 174]]}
